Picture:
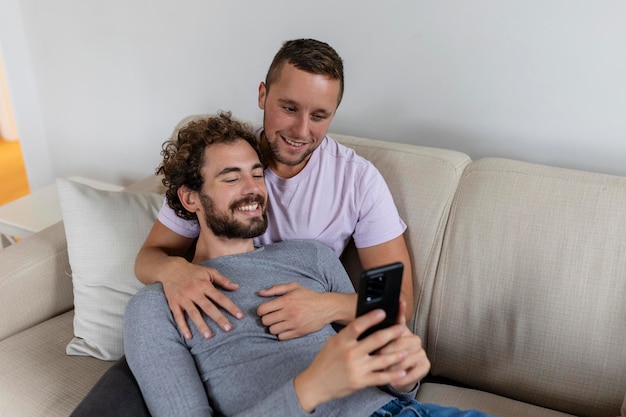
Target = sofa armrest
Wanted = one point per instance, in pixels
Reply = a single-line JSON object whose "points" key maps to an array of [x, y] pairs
{"points": [[35, 280]]}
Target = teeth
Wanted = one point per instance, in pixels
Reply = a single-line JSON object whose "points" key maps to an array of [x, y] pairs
{"points": [[250, 207], [292, 143]]}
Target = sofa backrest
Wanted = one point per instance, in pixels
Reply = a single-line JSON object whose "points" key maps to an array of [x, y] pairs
{"points": [[423, 181], [529, 298]]}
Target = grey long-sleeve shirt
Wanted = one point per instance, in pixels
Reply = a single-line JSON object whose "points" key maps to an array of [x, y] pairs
{"points": [[248, 371]]}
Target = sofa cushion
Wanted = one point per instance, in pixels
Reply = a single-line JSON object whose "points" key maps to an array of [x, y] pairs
{"points": [[104, 231], [38, 378], [529, 295], [470, 399]]}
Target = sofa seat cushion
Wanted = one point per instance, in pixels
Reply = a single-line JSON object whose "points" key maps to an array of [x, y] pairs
{"points": [[37, 378], [469, 399]]}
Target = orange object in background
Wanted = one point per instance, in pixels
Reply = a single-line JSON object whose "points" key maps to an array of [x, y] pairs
{"points": [[13, 180]]}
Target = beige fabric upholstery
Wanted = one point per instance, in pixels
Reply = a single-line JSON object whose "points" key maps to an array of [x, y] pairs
{"points": [[519, 279], [423, 182], [42, 284], [38, 378], [469, 399], [532, 281]]}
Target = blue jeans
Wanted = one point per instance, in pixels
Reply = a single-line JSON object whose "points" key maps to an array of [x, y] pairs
{"points": [[412, 408]]}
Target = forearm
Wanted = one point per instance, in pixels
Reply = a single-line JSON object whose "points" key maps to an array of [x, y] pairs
{"points": [[155, 265], [393, 251]]}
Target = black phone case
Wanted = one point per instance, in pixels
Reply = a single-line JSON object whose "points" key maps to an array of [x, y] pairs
{"points": [[380, 288]]}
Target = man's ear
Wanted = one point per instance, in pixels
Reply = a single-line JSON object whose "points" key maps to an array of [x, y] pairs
{"points": [[189, 199], [262, 95]]}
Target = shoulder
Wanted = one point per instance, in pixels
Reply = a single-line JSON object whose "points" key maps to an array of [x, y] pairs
{"points": [[151, 296], [338, 150], [341, 158]]}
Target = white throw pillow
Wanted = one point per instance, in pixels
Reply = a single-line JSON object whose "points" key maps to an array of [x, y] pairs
{"points": [[104, 232]]}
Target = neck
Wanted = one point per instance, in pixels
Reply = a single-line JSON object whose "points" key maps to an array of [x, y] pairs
{"points": [[210, 246]]}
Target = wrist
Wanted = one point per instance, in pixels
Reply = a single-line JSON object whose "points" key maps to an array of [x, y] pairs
{"points": [[307, 392], [341, 307], [171, 269]]}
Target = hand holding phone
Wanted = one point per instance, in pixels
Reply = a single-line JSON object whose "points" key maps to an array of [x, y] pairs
{"points": [[380, 288]]}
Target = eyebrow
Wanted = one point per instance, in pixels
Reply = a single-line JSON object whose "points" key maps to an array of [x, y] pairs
{"points": [[228, 170]]}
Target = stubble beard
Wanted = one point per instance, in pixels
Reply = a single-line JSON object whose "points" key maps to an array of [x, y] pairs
{"points": [[278, 157]]}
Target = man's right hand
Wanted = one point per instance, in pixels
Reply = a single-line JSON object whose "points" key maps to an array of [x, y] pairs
{"points": [[194, 289], [345, 364], [189, 288]]}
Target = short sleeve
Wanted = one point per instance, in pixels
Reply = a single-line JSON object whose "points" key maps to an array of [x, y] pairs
{"points": [[168, 217], [378, 220]]}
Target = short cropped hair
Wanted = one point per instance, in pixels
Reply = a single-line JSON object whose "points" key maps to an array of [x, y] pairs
{"points": [[308, 55], [183, 156]]}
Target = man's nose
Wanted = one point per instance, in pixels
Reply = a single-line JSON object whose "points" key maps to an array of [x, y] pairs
{"points": [[301, 126], [251, 184]]}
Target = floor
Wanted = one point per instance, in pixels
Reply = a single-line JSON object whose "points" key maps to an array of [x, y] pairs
{"points": [[13, 180]]}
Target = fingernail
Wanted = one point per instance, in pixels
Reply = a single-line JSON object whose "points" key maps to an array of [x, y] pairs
{"points": [[239, 315], [187, 336], [227, 327], [207, 335]]}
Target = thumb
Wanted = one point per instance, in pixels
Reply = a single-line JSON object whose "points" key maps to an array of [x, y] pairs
{"points": [[221, 281]]}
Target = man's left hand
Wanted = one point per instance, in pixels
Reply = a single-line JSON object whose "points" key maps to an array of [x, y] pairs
{"points": [[295, 312]]}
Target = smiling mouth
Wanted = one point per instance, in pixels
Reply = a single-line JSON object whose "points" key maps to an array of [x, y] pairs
{"points": [[292, 143], [249, 207]]}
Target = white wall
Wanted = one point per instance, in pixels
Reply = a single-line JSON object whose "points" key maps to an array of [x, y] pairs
{"points": [[542, 81]]}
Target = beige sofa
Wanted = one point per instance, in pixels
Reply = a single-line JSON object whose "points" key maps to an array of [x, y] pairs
{"points": [[519, 276]]}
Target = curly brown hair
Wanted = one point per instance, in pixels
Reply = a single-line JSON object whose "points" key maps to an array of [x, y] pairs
{"points": [[308, 55], [183, 156]]}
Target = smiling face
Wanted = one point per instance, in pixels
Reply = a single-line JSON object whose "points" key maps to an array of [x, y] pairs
{"points": [[298, 109], [233, 198]]}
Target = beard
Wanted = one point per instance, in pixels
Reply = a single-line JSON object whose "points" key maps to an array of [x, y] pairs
{"points": [[225, 225]]}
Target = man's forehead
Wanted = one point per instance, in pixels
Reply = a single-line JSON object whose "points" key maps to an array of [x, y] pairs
{"points": [[297, 86], [239, 154]]}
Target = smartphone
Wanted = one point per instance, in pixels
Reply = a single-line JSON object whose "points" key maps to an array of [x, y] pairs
{"points": [[380, 288]]}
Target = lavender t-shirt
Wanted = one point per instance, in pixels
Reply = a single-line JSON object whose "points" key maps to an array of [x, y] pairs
{"points": [[337, 195]]}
